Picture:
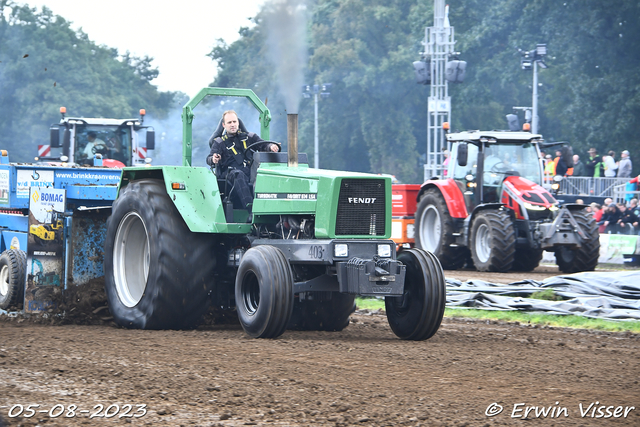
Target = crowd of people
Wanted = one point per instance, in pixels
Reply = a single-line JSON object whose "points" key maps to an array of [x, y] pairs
{"points": [[594, 165], [617, 218]]}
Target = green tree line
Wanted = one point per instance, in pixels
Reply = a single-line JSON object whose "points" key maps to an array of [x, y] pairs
{"points": [[375, 119], [44, 65]]}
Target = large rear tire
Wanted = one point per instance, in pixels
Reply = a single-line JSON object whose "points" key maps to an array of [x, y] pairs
{"points": [[13, 263], [434, 230], [159, 273], [493, 241], [264, 292], [526, 259], [584, 258], [323, 315], [417, 314]]}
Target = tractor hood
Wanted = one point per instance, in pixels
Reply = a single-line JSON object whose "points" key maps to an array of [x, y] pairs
{"points": [[527, 199], [345, 204]]}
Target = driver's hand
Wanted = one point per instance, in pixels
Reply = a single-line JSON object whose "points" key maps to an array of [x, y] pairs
{"points": [[216, 158], [274, 148]]}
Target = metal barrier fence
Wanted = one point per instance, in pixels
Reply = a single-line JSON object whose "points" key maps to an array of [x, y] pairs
{"points": [[622, 195], [598, 187]]}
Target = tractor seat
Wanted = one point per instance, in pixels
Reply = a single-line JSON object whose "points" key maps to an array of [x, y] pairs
{"points": [[220, 130]]}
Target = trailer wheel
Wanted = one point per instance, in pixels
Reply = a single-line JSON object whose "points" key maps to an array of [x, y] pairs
{"points": [[493, 241], [13, 263], [417, 314], [584, 258], [317, 315], [264, 292], [526, 259], [434, 230], [158, 272]]}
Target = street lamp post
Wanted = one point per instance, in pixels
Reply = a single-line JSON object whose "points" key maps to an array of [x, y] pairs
{"points": [[530, 61], [314, 90]]}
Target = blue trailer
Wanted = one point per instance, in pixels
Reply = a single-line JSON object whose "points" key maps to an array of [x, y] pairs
{"points": [[52, 228]]}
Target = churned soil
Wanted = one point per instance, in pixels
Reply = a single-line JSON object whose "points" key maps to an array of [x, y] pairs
{"points": [[83, 365]]}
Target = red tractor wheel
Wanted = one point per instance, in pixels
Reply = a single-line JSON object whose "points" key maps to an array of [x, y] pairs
{"points": [[493, 241]]}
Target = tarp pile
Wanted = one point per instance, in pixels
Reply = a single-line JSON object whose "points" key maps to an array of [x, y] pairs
{"points": [[595, 294]]}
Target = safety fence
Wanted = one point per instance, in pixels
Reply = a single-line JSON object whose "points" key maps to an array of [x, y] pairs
{"points": [[596, 187]]}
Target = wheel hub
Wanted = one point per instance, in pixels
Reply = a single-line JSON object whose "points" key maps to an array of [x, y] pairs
{"points": [[4, 281], [250, 293], [431, 232], [131, 259], [483, 243]]}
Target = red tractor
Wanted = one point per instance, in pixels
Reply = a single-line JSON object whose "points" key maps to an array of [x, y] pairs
{"points": [[493, 211]]}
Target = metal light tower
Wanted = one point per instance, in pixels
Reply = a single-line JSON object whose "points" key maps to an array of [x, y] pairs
{"points": [[530, 61], [307, 91], [439, 43]]}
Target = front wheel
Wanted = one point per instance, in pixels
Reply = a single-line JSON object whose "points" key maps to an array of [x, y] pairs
{"points": [[264, 292], [13, 263], [584, 258], [417, 314], [158, 272], [493, 241]]}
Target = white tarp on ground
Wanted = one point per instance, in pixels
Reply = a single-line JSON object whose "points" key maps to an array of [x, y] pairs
{"points": [[607, 295]]}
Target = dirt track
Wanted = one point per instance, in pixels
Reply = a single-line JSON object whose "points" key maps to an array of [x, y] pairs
{"points": [[362, 376]]}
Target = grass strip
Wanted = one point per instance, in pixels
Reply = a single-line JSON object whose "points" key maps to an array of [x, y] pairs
{"points": [[567, 321]]}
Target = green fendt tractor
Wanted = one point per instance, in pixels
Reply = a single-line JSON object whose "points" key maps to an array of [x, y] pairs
{"points": [[316, 239]]}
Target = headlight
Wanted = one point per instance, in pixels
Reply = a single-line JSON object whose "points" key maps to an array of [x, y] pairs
{"points": [[555, 186], [530, 207], [341, 250], [384, 251]]}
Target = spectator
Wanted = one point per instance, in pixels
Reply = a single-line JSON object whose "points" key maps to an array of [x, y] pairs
{"points": [[579, 201], [550, 167], [607, 201], [610, 166], [624, 166], [561, 165], [597, 216], [578, 167], [610, 219], [633, 206], [593, 208], [594, 164], [628, 222]]}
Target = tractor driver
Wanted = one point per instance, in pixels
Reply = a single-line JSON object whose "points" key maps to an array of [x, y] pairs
{"points": [[229, 151], [94, 141]]}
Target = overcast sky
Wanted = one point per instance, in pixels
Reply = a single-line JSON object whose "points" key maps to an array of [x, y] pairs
{"points": [[177, 35]]}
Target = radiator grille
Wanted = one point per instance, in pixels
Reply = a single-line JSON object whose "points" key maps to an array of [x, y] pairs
{"points": [[361, 208]]}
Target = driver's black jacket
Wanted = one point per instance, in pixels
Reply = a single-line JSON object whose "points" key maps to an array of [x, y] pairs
{"points": [[232, 149]]}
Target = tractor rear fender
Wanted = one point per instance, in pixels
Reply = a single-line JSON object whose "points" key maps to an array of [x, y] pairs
{"points": [[195, 193], [452, 195]]}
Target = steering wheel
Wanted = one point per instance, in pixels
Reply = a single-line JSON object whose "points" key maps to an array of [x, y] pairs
{"points": [[250, 150], [499, 167], [100, 148]]}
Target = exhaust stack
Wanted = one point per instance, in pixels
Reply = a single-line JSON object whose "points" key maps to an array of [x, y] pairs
{"points": [[292, 139]]}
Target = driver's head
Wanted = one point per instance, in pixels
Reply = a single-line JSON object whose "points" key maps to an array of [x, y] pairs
{"points": [[230, 122], [91, 136]]}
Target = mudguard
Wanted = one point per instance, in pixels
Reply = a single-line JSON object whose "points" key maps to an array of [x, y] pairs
{"points": [[452, 195]]}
